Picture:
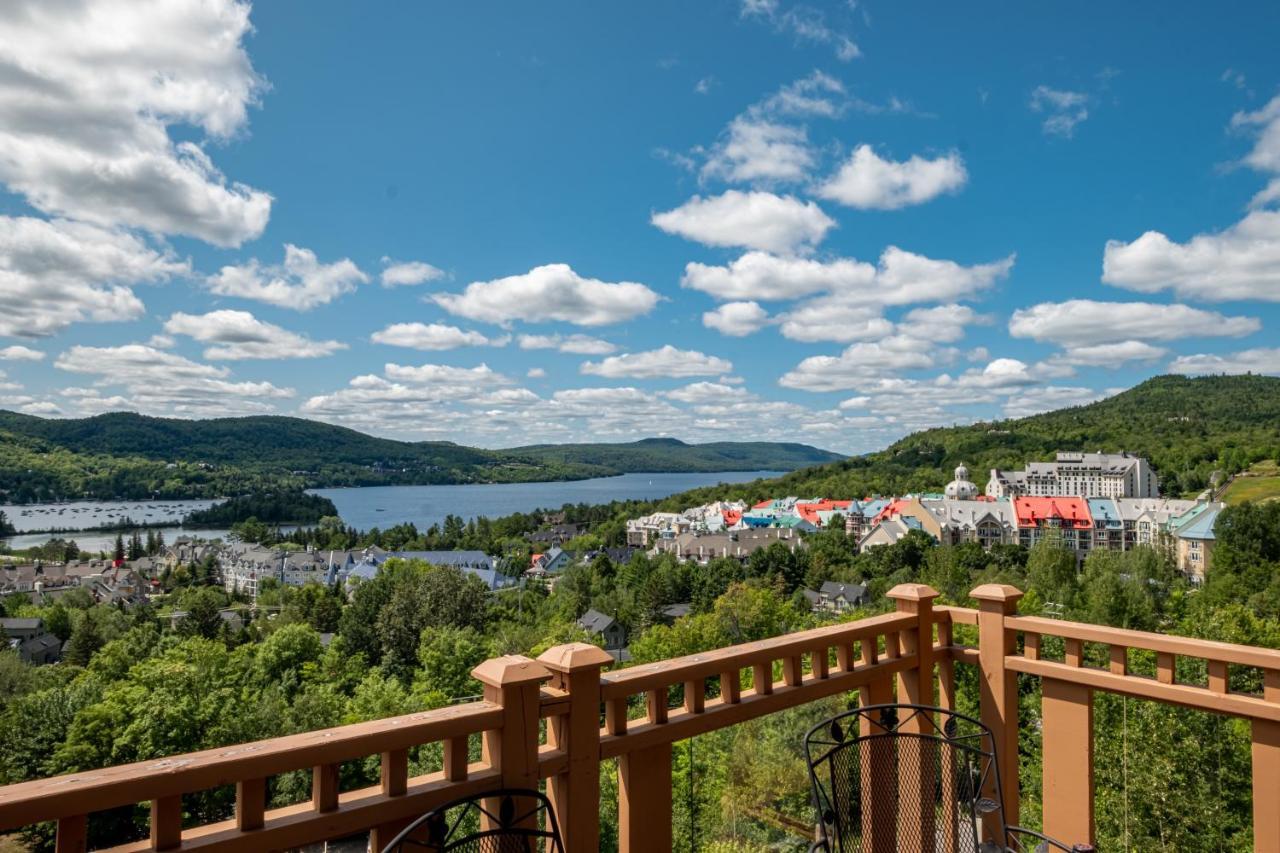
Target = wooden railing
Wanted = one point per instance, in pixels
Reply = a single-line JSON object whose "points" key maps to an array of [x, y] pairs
{"points": [[910, 654]]}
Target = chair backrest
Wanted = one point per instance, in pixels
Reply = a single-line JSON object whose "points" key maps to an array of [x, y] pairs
{"points": [[511, 820], [912, 776]]}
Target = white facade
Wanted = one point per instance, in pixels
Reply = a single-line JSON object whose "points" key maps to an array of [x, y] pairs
{"points": [[1085, 475]]}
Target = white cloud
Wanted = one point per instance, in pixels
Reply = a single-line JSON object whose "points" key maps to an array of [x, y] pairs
{"points": [[708, 393], [901, 278], [736, 318], [831, 318], [54, 273], [301, 282], [553, 292], [443, 374], [868, 181], [804, 23], [166, 383], [1064, 109], [88, 92], [942, 323], [536, 373], [41, 407], [1084, 322], [1241, 262], [398, 274], [20, 353], [577, 344], [240, 335], [433, 336], [757, 150], [705, 85], [754, 220], [818, 94], [1265, 156], [1110, 355], [1033, 401], [1261, 360], [665, 362]]}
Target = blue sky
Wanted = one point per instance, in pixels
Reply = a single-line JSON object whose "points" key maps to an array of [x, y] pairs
{"points": [[501, 223]]}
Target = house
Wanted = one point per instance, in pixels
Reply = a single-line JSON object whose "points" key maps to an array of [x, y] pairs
{"points": [[1108, 524], [1068, 516], [30, 640], [557, 534], [553, 562], [914, 508], [645, 531], [609, 629], [672, 612], [987, 522], [889, 531], [836, 597], [478, 564], [738, 544], [1195, 543]]}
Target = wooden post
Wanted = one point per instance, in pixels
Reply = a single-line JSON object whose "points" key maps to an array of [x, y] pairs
{"points": [[73, 834], [917, 818], [644, 800], [251, 803], [512, 682], [166, 822], [999, 695], [575, 794], [1266, 772], [1067, 711]]}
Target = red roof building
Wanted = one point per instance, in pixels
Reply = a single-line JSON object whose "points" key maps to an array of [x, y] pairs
{"points": [[1039, 515]]}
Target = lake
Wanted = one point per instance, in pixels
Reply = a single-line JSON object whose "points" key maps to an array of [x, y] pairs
{"points": [[383, 506], [370, 506]]}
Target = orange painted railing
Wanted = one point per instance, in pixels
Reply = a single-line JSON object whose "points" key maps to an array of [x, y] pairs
{"points": [[909, 654]]}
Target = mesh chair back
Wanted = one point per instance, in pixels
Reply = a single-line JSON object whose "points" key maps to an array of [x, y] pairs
{"points": [[911, 776], [506, 821]]}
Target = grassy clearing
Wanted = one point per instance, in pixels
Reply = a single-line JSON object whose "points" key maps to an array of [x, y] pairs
{"points": [[1263, 484]]}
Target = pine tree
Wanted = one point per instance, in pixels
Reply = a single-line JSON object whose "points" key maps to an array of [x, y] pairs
{"points": [[119, 549]]}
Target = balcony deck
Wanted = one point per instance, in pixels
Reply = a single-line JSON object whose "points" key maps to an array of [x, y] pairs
{"points": [[910, 654]]}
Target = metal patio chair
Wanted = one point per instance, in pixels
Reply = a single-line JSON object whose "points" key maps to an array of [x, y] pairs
{"points": [[912, 777], [514, 820]]}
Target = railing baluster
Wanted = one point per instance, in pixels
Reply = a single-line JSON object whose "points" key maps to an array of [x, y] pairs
{"points": [[845, 661], [166, 822], [1031, 646], [251, 803], [324, 787], [1119, 660], [695, 696], [657, 702], [879, 815], [1218, 676], [731, 687], [818, 663], [762, 677], [456, 758], [395, 772], [644, 800], [73, 834], [1266, 771], [1067, 743], [793, 670], [615, 716], [1073, 653], [1165, 667]]}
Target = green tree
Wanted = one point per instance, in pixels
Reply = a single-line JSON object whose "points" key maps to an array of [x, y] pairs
{"points": [[447, 655]]}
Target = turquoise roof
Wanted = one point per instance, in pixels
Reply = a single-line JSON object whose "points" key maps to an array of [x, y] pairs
{"points": [[1201, 527], [1104, 509]]}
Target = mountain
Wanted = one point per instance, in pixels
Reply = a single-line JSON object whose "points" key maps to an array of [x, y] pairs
{"points": [[134, 456], [1188, 427], [670, 454]]}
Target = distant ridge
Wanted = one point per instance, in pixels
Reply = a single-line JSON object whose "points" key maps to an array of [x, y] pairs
{"points": [[123, 454], [1188, 428]]}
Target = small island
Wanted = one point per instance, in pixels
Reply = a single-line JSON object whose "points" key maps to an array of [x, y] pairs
{"points": [[278, 506]]}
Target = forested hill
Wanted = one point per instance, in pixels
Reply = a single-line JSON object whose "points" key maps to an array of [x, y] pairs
{"points": [[134, 456], [669, 454], [1187, 427]]}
